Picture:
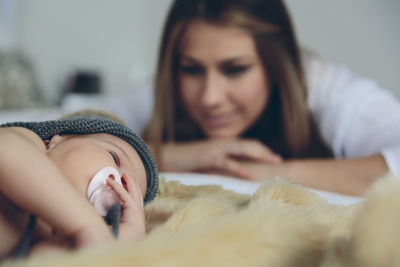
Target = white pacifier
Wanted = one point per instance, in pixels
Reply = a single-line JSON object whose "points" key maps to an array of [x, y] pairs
{"points": [[99, 193]]}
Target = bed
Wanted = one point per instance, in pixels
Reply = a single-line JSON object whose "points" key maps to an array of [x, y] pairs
{"points": [[248, 187]]}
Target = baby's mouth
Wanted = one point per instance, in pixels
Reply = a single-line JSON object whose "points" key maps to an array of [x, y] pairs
{"points": [[99, 193]]}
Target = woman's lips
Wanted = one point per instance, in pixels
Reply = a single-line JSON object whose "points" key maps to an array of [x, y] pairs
{"points": [[218, 120]]}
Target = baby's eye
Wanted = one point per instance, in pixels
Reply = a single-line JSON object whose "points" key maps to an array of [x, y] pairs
{"points": [[115, 158]]}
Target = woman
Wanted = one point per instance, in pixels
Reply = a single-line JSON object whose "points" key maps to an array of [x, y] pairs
{"points": [[232, 98]]}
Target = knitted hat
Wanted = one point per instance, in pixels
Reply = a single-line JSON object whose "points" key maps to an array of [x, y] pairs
{"points": [[91, 123]]}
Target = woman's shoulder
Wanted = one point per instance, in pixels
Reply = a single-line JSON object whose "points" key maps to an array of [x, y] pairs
{"points": [[333, 82], [321, 72], [326, 74]]}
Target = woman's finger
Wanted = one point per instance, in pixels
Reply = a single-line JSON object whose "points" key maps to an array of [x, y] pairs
{"points": [[253, 150], [233, 167]]}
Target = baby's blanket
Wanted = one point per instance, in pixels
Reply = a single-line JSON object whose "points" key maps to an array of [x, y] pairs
{"points": [[281, 224]]}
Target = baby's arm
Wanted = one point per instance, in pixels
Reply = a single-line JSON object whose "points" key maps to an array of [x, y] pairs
{"points": [[30, 179], [132, 223]]}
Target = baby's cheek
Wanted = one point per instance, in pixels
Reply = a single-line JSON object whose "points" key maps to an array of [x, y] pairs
{"points": [[141, 179], [143, 185]]}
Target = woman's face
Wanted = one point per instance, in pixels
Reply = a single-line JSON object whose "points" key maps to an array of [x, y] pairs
{"points": [[222, 81]]}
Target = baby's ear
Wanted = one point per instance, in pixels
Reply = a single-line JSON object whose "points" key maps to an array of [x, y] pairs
{"points": [[55, 140]]}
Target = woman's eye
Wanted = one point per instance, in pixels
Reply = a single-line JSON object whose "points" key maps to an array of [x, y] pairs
{"points": [[234, 70], [191, 70], [115, 158]]}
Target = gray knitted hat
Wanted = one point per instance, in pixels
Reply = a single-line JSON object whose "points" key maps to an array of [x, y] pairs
{"points": [[95, 123]]}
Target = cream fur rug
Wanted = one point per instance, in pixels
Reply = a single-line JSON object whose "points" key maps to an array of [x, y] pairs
{"points": [[280, 225]]}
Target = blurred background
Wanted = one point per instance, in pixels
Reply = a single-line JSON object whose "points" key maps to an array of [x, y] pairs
{"points": [[52, 48]]}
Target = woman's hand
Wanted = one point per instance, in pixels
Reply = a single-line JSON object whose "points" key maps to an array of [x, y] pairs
{"points": [[223, 156], [132, 224], [261, 172]]}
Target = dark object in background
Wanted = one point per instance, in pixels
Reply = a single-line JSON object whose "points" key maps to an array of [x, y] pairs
{"points": [[85, 82], [83, 89]]}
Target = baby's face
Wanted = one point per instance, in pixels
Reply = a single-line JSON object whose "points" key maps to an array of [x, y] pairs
{"points": [[80, 157]]}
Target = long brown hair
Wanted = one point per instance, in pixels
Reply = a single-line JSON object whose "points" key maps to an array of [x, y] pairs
{"points": [[286, 125]]}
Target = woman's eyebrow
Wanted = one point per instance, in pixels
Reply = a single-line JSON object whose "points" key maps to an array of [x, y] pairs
{"points": [[224, 62], [237, 59], [192, 60]]}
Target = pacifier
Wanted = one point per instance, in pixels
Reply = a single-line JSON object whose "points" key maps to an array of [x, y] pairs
{"points": [[99, 193]]}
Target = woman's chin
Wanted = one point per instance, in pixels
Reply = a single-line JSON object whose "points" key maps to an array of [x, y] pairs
{"points": [[222, 133]]}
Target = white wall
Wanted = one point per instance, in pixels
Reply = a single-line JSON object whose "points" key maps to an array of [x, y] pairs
{"points": [[9, 24], [121, 37], [364, 34], [112, 37]]}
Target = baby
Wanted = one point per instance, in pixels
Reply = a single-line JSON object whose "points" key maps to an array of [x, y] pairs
{"points": [[51, 169]]}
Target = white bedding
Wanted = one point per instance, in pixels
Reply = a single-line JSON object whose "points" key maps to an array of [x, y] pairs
{"points": [[247, 187]]}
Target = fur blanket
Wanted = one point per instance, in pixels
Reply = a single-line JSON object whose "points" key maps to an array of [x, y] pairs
{"points": [[280, 225]]}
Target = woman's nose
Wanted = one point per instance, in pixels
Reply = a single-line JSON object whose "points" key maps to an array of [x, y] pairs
{"points": [[213, 92]]}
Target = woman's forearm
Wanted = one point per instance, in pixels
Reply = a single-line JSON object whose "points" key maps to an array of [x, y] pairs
{"points": [[346, 176]]}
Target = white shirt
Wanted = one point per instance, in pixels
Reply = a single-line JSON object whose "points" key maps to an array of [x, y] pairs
{"points": [[356, 117]]}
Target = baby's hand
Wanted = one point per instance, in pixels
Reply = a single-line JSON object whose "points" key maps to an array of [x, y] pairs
{"points": [[132, 224]]}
